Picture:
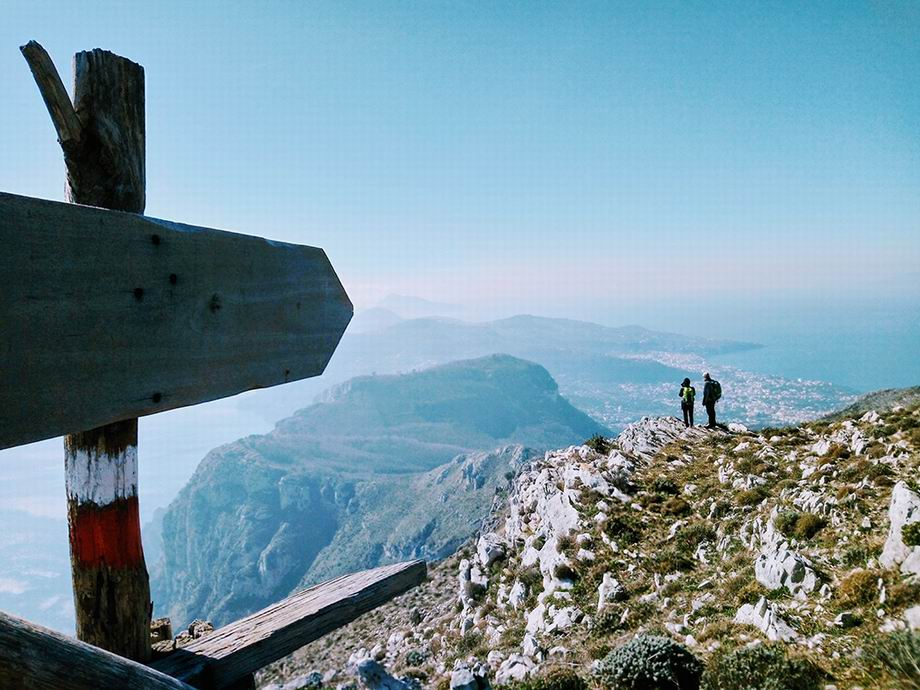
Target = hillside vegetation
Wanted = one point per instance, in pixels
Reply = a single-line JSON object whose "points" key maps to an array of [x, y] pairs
{"points": [[670, 558]]}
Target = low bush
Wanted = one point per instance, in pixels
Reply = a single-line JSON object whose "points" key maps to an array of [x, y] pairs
{"points": [[675, 506], [762, 667], [624, 527], [531, 578], [837, 451], [673, 558], [859, 588], [663, 485], [650, 662], [695, 534], [751, 497], [911, 534], [469, 643], [554, 678], [798, 525], [415, 658], [599, 444], [894, 659]]}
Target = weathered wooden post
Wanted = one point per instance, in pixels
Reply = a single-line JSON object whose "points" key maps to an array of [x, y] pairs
{"points": [[102, 135], [106, 316]]}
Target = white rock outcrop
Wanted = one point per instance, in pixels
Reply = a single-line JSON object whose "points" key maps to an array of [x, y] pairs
{"points": [[904, 509], [779, 566], [764, 616], [515, 667], [912, 617], [469, 676], [609, 590], [374, 676], [490, 549]]}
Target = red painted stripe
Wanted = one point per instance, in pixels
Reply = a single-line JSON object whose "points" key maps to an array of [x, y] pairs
{"points": [[106, 535]]}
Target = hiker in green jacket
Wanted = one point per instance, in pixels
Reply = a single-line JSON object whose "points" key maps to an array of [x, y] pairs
{"points": [[687, 397], [712, 391]]}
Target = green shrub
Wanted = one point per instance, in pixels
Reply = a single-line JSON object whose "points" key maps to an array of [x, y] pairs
{"points": [[911, 534], [673, 558], [624, 527], [808, 525], [469, 643], [554, 678], [415, 658], [675, 506], [837, 451], [695, 534], [762, 667], [895, 658], [599, 444], [751, 497], [650, 662], [663, 485], [859, 588], [799, 525]]}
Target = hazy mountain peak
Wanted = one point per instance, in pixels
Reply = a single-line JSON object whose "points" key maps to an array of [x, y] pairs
{"points": [[409, 307]]}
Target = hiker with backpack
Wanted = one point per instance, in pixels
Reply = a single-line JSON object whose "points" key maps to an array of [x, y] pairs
{"points": [[712, 391], [687, 397]]}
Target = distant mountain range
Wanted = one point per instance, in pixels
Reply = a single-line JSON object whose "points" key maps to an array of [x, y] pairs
{"points": [[587, 359], [385, 468]]}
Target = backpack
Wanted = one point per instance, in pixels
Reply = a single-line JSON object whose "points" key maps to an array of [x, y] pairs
{"points": [[716, 390], [688, 395]]}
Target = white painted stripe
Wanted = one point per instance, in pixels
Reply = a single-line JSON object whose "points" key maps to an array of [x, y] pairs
{"points": [[99, 477]]}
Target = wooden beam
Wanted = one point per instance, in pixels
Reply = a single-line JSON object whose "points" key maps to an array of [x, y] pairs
{"points": [[106, 316], [243, 647], [63, 116], [35, 658]]}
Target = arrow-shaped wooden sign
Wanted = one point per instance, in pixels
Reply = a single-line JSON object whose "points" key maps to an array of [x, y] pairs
{"points": [[106, 316]]}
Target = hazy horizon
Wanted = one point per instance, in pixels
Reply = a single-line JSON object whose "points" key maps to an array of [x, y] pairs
{"points": [[557, 159]]}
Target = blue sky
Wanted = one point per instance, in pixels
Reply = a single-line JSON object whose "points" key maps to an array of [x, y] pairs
{"points": [[521, 156]]}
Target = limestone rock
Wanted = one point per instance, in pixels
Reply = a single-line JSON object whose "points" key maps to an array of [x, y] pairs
{"points": [[490, 549], [530, 646], [467, 676], [515, 667], [307, 680], [764, 616], [912, 617], [374, 676], [779, 566], [609, 590], [904, 509], [517, 594]]}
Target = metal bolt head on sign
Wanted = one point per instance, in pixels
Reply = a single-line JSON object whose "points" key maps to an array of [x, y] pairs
{"points": [[106, 316]]}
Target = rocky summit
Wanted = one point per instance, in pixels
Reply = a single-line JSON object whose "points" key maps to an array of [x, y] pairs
{"points": [[668, 558]]}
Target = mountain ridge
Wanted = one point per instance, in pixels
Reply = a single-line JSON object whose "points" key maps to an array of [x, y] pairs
{"points": [[267, 513]]}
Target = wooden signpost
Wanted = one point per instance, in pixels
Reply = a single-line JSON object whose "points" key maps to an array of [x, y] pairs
{"points": [[106, 316]]}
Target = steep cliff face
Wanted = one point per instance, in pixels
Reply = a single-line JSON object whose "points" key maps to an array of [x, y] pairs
{"points": [[802, 543], [386, 468]]}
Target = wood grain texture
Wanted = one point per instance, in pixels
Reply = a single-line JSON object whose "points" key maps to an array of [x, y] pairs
{"points": [[239, 649], [35, 658], [106, 316], [63, 116], [111, 588], [108, 169]]}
